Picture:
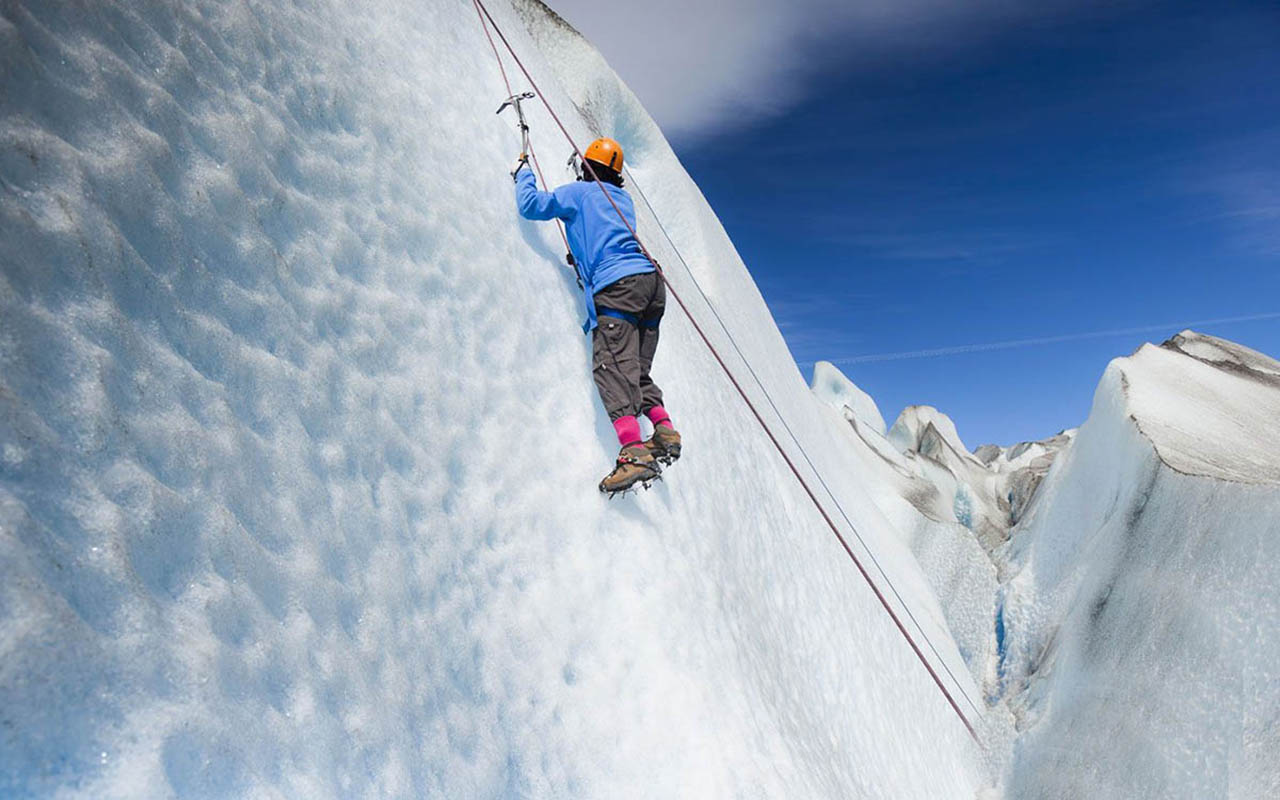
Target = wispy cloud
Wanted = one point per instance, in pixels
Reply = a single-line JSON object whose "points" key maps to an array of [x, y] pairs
{"points": [[1241, 177], [817, 322], [702, 67], [974, 247], [1012, 344], [1251, 196]]}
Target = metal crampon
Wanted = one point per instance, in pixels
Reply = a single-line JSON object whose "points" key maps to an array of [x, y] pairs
{"points": [[646, 484], [634, 466]]}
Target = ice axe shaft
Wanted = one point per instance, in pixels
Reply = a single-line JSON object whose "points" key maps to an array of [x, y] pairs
{"points": [[514, 101]]}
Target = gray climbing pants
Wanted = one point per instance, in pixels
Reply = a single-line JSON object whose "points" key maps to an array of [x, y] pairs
{"points": [[626, 337]]}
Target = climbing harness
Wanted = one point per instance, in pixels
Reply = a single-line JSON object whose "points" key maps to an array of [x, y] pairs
{"points": [[483, 12], [625, 316]]}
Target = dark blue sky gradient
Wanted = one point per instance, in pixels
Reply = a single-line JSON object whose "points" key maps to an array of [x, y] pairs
{"points": [[1119, 169]]}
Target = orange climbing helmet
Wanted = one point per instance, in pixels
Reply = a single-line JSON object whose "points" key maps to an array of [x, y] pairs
{"points": [[606, 153]]}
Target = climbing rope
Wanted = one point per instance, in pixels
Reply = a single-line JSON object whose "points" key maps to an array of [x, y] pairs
{"points": [[483, 11], [813, 467]]}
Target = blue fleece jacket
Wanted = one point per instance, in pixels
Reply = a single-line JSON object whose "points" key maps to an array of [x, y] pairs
{"points": [[605, 251]]}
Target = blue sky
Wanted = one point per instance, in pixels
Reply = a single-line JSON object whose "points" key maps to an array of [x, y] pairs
{"points": [[918, 180]]}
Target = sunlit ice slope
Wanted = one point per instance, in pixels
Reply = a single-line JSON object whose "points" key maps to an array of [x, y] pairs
{"points": [[298, 445], [1144, 614]]}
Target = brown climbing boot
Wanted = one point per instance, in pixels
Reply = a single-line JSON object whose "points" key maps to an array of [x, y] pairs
{"points": [[664, 445], [635, 465]]}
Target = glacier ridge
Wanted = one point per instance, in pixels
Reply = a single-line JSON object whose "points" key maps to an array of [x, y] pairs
{"points": [[1131, 578]]}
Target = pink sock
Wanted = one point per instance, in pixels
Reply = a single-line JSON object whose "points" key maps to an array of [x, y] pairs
{"points": [[659, 416], [628, 430]]}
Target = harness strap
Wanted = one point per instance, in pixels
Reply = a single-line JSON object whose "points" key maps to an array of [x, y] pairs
{"points": [[626, 316]]}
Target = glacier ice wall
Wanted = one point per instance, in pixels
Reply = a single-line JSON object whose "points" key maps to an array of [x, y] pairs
{"points": [[1142, 615], [298, 445], [1135, 604]]}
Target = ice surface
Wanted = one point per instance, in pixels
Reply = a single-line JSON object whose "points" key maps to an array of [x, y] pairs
{"points": [[1142, 619], [1215, 414], [831, 386], [986, 491], [934, 513], [925, 429], [1131, 644], [298, 445]]}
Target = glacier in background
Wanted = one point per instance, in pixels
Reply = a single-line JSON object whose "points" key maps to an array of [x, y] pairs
{"points": [[298, 452], [1138, 569]]}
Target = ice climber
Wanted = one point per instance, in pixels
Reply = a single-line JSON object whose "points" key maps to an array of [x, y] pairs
{"points": [[624, 297]]}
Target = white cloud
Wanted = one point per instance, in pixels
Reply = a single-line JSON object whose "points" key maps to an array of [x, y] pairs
{"points": [[700, 66]]}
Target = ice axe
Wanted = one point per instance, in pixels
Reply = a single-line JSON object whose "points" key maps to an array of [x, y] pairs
{"points": [[514, 101]]}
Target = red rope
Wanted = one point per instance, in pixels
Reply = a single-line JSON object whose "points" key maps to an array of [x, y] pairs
{"points": [[729, 374]]}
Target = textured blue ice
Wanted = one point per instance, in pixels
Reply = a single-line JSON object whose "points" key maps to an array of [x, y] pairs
{"points": [[298, 445]]}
